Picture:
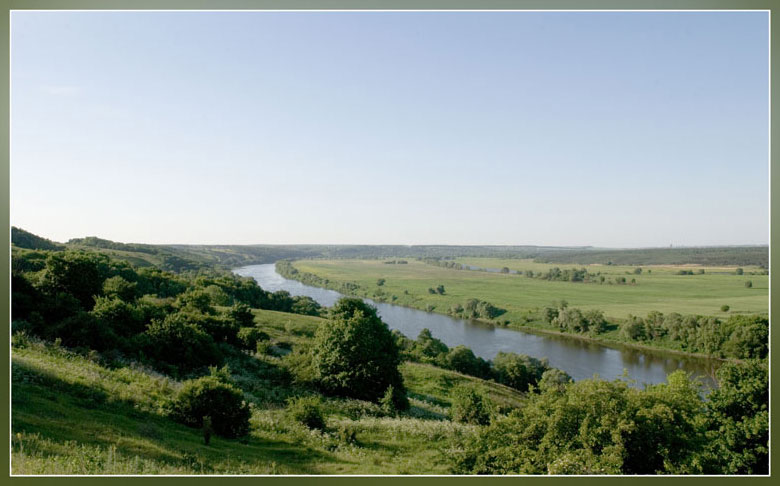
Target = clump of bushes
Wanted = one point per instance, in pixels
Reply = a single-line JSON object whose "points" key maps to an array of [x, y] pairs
{"points": [[210, 396], [306, 411], [476, 309]]}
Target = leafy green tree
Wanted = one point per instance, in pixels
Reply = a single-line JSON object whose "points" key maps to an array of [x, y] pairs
{"points": [[354, 354], [429, 349], [749, 284], [122, 318], [196, 299], [305, 305], [739, 271], [380, 282], [440, 289], [748, 336], [78, 273], [739, 420], [117, 286], [554, 381], [463, 360], [633, 329], [518, 370]]}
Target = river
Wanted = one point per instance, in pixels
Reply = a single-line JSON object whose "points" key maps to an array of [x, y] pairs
{"points": [[578, 358]]}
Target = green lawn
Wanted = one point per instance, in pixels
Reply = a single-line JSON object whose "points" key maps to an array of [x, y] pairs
{"points": [[659, 289]]}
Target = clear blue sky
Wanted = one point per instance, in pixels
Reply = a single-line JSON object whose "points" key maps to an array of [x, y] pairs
{"points": [[605, 129]]}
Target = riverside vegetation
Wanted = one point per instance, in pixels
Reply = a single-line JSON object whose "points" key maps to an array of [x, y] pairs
{"points": [[589, 303], [120, 368]]}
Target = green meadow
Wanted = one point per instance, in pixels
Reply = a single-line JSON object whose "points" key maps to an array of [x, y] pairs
{"points": [[657, 288]]}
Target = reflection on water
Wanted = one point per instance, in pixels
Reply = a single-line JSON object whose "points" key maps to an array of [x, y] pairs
{"points": [[580, 359]]}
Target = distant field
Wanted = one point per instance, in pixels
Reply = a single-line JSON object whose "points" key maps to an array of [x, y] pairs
{"points": [[657, 287]]}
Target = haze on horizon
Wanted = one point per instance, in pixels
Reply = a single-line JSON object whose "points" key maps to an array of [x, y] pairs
{"points": [[616, 130]]}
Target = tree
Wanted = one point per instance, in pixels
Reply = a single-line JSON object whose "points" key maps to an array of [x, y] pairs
{"points": [[724, 308], [440, 289], [78, 273], [463, 360], [380, 282], [117, 286], [749, 284], [518, 370], [739, 420], [739, 271], [429, 349], [355, 355]]}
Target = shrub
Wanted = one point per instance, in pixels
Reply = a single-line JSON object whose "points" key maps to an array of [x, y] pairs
{"points": [[354, 353], [748, 284], [306, 411], [305, 305], [122, 318], [242, 315], [210, 396], [249, 336], [470, 406], [724, 308], [180, 344]]}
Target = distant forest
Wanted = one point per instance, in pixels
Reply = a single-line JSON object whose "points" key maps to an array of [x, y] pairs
{"points": [[191, 257]]}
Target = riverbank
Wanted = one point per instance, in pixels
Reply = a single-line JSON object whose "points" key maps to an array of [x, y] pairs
{"points": [[287, 270]]}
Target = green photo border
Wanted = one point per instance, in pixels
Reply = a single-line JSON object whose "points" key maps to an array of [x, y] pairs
{"points": [[368, 5]]}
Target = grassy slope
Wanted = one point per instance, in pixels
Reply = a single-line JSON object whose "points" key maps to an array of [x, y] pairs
{"points": [[70, 414], [661, 290]]}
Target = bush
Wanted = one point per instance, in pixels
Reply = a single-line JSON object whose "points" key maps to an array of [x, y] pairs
{"points": [[249, 336], [180, 344], [724, 308], [470, 406], [306, 411], [210, 396], [748, 284], [242, 315], [355, 355]]}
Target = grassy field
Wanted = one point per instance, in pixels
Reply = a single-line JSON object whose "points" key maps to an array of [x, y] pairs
{"points": [[73, 414], [657, 287]]}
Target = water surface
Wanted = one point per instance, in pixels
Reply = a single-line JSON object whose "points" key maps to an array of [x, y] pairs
{"points": [[580, 359]]}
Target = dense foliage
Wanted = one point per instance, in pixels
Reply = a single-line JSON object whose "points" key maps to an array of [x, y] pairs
{"points": [[602, 427], [355, 355], [177, 323]]}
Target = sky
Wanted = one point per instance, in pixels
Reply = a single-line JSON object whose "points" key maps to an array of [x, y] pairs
{"points": [[611, 129]]}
